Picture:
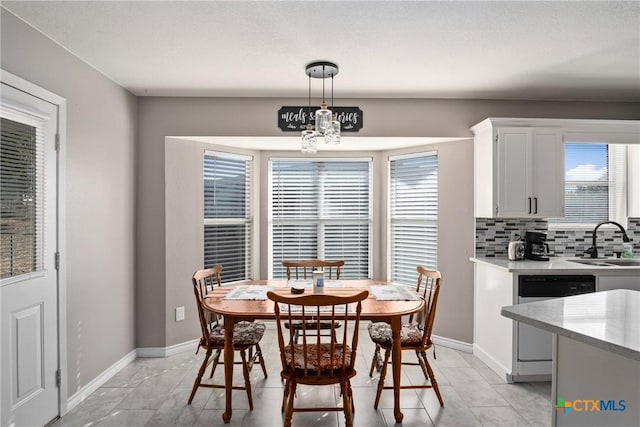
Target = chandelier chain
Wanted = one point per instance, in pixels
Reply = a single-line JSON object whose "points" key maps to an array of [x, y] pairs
{"points": [[323, 85], [309, 107]]}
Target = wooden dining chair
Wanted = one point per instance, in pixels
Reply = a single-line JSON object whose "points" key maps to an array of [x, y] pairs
{"points": [[416, 335], [314, 362], [246, 335], [302, 269]]}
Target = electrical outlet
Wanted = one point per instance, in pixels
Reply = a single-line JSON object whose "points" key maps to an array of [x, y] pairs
{"points": [[515, 235], [179, 314]]}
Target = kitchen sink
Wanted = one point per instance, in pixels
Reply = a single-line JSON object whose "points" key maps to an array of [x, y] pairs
{"points": [[608, 262], [624, 262], [591, 262]]}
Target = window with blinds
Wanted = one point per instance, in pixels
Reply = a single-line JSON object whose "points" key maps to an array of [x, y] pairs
{"points": [[321, 209], [21, 192], [228, 219], [413, 188], [593, 183]]}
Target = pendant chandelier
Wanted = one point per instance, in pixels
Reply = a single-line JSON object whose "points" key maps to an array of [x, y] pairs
{"points": [[326, 123]]}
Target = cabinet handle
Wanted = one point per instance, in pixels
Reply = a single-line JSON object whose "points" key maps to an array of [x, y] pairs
{"points": [[529, 204], [535, 201]]}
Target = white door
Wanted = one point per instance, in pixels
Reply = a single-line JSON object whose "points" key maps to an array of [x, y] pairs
{"points": [[29, 354]]}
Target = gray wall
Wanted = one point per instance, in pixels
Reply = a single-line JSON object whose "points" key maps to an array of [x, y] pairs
{"points": [[100, 198], [157, 118]]}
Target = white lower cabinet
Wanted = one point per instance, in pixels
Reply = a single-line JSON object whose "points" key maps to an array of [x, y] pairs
{"points": [[498, 341], [495, 339], [607, 283]]}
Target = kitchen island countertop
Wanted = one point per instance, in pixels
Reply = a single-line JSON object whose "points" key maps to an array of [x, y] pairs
{"points": [[608, 320]]}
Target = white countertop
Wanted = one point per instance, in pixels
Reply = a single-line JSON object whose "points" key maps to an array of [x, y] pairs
{"points": [[555, 264], [609, 320]]}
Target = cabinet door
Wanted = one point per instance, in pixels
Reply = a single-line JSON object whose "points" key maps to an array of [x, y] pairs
{"points": [[547, 173], [514, 172], [607, 283]]}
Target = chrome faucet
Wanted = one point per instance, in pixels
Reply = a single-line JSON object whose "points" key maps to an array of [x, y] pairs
{"points": [[593, 250]]}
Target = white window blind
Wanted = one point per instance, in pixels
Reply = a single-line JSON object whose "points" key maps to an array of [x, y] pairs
{"points": [[228, 219], [321, 210], [594, 183], [413, 215], [21, 192]]}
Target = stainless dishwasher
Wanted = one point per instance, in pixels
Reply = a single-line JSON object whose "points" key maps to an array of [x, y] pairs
{"points": [[535, 345]]}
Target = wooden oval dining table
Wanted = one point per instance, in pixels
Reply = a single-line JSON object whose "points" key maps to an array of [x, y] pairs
{"points": [[236, 310]]}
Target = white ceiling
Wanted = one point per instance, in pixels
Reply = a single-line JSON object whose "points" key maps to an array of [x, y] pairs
{"points": [[416, 49]]}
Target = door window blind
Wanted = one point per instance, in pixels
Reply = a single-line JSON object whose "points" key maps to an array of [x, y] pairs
{"points": [[321, 210], [413, 215], [228, 219], [21, 192]]}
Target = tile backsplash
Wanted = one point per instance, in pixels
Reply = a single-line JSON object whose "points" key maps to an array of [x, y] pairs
{"points": [[493, 236]]}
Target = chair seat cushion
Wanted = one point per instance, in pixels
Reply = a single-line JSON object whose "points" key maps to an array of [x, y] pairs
{"points": [[411, 334], [311, 325], [323, 364], [245, 334]]}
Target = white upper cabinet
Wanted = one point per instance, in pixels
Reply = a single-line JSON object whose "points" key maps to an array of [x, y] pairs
{"points": [[519, 171]]}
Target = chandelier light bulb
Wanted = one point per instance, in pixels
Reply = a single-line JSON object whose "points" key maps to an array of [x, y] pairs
{"points": [[332, 133], [323, 119], [309, 140]]}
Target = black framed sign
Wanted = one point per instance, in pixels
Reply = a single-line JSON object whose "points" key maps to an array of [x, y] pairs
{"points": [[295, 119]]}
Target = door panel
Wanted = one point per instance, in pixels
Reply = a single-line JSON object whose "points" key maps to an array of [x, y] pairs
{"points": [[513, 171], [534, 344], [548, 172], [26, 338], [28, 277]]}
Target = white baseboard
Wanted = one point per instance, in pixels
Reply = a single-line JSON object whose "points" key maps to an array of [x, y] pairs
{"points": [[100, 380], [492, 363], [454, 344], [168, 351]]}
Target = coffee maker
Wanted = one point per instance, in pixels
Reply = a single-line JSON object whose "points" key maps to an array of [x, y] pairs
{"points": [[535, 246]]}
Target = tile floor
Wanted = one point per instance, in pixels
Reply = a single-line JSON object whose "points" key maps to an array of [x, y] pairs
{"points": [[154, 392]]}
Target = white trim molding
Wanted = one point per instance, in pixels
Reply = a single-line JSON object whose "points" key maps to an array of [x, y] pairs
{"points": [[454, 344], [168, 351], [491, 362], [100, 380], [443, 341]]}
